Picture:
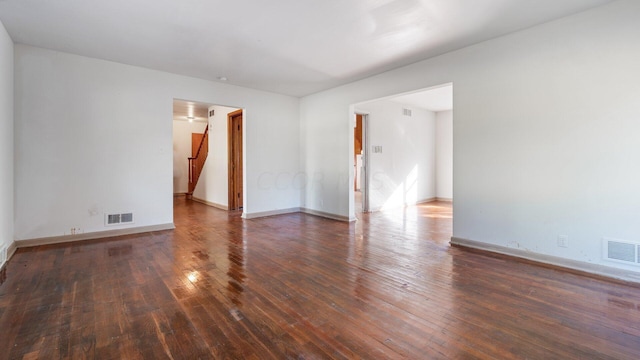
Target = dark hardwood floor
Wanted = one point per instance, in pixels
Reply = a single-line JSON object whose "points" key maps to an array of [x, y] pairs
{"points": [[303, 287]]}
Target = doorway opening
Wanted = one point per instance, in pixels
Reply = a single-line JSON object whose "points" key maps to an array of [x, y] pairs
{"points": [[407, 150], [234, 120], [202, 153], [190, 125], [360, 163]]}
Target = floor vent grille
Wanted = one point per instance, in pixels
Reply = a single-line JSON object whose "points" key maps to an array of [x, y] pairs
{"points": [[622, 251], [122, 218]]}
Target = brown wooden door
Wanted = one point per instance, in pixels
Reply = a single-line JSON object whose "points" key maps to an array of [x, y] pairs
{"points": [[235, 160], [357, 142], [196, 139]]}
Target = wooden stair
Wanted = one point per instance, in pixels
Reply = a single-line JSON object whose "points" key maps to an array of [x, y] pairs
{"points": [[196, 163]]}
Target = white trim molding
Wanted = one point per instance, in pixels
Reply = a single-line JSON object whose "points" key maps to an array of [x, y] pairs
{"points": [[11, 250], [581, 266], [209, 203], [326, 215], [92, 235], [297, 210], [270, 213]]}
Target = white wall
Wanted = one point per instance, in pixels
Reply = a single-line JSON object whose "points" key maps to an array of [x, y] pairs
{"points": [[213, 185], [444, 155], [404, 173], [6, 139], [93, 136], [182, 131], [545, 134]]}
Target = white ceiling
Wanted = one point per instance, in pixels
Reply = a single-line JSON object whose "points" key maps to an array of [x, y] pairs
{"points": [[434, 99], [292, 47], [190, 110]]}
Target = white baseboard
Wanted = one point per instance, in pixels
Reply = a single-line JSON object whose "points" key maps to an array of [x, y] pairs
{"points": [[91, 235], [209, 203], [581, 266], [402, 206], [11, 250], [327, 215], [270, 213], [296, 210], [423, 201], [443, 199]]}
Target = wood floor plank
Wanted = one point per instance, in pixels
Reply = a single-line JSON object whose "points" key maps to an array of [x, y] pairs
{"points": [[297, 286]]}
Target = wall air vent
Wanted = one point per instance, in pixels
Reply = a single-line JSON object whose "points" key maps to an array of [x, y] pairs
{"points": [[113, 219], [406, 112], [621, 251], [116, 219], [126, 218]]}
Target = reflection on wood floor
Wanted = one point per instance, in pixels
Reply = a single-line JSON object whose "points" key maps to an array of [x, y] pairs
{"points": [[302, 287]]}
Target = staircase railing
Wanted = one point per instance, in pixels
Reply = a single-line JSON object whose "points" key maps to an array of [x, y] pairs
{"points": [[196, 163]]}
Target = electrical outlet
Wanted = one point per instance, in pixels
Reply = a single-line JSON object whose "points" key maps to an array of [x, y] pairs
{"points": [[563, 241]]}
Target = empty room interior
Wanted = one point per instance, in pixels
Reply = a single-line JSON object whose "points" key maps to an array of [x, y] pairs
{"points": [[393, 179]]}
